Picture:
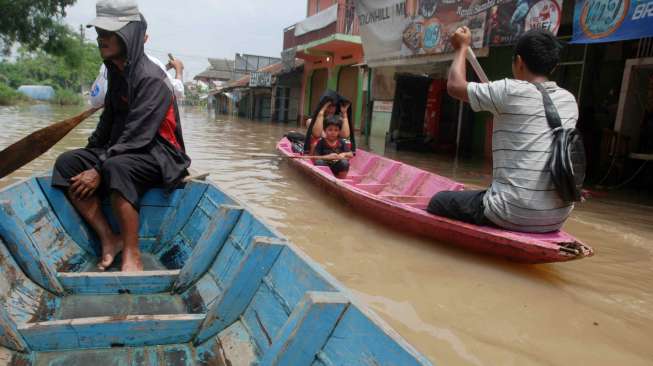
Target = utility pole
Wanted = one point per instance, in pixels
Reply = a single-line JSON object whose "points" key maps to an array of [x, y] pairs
{"points": [[81, 65]]}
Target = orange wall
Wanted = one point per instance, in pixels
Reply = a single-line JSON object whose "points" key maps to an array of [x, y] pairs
{"points": [[340, 58], [312, 5]]}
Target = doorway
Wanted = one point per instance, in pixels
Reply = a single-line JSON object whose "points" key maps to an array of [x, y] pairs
{"points": [[318, 87], [407, 121]]}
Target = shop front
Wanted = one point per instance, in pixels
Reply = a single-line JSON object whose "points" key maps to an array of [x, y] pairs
{"points": [[606, 63]]}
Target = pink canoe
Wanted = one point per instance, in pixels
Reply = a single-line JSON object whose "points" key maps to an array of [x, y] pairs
{"points": [[397, 194]]}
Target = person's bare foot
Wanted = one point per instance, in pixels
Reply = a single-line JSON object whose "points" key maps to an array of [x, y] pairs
{"points": [[110, 249], [131, 261]]}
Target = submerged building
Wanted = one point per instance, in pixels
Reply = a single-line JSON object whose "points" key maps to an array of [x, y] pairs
{"points": [[329, 43]]}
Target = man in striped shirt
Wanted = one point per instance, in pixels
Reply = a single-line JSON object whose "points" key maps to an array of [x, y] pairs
{"points": [[522, 196]]}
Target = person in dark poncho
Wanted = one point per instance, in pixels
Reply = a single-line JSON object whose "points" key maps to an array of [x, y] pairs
{"points": [[332, 150], [137, 144], [331, 103]]}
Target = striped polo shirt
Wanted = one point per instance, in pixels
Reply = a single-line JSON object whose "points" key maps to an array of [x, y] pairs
{"points": [[522, 196]]}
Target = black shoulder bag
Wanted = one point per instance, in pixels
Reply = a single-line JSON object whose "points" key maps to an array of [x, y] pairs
{"points": [[567, 162]]}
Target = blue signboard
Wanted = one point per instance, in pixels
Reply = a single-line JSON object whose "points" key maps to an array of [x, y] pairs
{"points": [[612, 20]]}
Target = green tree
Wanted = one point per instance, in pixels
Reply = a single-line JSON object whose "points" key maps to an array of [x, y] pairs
{"points": [[77, 62], [34, 24]]}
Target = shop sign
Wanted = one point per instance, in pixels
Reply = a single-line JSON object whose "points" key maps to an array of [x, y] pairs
{"points": [[260, 79], [393, 29], [612, 20], [383, 106]]}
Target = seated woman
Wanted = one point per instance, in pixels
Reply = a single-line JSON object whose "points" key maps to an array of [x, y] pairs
{"points": [[330, 104], [331, 150]]}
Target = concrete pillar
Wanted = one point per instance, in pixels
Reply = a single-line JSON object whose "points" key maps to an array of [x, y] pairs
{"points": [[306, 94], [358, 108]]}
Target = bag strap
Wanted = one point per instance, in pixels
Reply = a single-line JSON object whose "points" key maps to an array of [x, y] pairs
{"points": [[550, 110]]}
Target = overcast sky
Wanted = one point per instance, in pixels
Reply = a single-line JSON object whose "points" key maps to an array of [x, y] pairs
{"points": [[194, 30]]}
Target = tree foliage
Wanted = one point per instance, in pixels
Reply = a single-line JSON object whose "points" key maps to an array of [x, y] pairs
{"points": [[35, 24], [77, 62]]}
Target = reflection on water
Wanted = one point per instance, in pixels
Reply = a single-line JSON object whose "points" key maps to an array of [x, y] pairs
{"points": [[455, 307]]}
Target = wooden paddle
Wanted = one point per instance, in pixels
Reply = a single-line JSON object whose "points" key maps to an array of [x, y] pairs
{"points": [[471, 58], [37, 143], [311, 157]]}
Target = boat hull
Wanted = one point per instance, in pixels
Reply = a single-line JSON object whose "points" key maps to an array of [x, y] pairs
{"points": [[411, 217], [220, 287]]}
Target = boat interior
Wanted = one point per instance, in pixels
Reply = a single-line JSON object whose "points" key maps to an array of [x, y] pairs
{"points": [[390, 179], [219, 287]]}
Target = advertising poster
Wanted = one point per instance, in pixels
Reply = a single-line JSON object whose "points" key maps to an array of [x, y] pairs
{"points": [[510, 19], [400, 30], [612, 20]]}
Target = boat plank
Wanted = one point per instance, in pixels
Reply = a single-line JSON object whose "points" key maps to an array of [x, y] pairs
{"points": [[176, 253], [158, 197], [25, 252], [307, 329], [151, 219], [356, 340], [72, 222], [292, 276], [264, 317], [282, 289], [23, 299], [208, 246], [206, 208], [149, 282], [236, 247], [28, 204], [178, 216], [105, 332], [11, 358], [231, 347], [90, 306], [261, 256], [201, 296], [176, 355], [10, 337]]}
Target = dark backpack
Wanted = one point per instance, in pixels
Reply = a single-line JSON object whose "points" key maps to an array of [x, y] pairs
{"points": [[297, 141], [567, 162]]}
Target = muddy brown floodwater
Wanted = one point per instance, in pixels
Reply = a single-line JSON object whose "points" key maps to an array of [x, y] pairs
{"points": [[455, 307]]}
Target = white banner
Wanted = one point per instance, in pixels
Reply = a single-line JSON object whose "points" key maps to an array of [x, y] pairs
{"points": [[382, 23], [317, 21]]}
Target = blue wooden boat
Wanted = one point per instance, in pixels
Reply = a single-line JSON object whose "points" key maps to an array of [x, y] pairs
{"points": [[220, 288]]}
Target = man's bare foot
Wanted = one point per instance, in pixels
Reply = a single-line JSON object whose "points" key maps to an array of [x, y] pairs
{"points": [[110, 249], [131, 261]]}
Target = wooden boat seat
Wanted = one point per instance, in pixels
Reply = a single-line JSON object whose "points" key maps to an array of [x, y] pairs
{"points": [[372, 188], [356, 178], [363, 163]]}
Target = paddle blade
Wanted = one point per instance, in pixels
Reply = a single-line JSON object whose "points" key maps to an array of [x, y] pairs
{"points": [[37, 143]]}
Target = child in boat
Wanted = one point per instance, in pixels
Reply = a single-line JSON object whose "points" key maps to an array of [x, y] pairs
{"points": [[330, 104], [331, 150]]}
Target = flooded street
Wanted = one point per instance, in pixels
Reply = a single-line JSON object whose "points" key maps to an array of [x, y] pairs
{"points": [[455, 307]]}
